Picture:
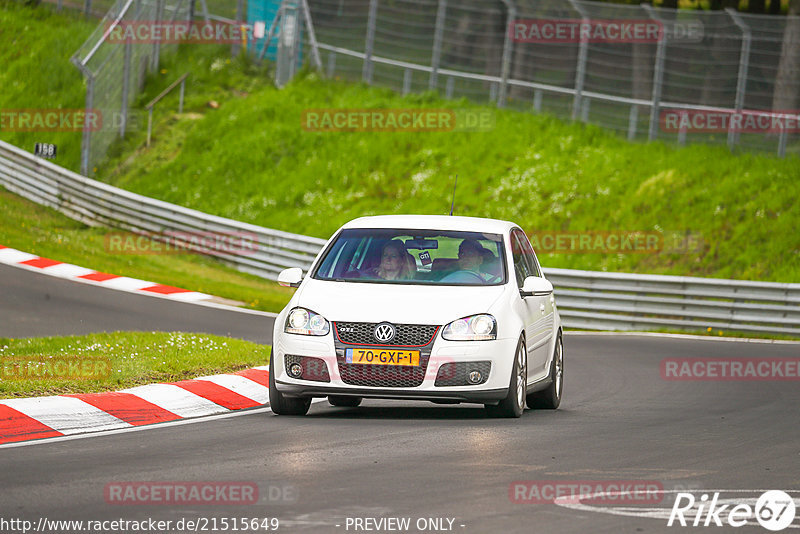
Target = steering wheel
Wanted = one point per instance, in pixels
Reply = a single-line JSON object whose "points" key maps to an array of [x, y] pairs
{"points": [[458, 276]]}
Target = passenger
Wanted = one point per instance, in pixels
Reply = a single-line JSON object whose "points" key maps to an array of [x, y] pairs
{"points": [[394, 263], [470, 255]]}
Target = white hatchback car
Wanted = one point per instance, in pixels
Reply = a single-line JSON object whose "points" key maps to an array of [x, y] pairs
{"points": [[424, 307]]}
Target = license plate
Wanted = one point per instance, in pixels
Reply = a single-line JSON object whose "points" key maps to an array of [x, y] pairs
{"points": [[408, 358]]}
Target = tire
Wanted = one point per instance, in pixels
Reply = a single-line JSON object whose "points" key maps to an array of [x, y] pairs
{"points": [[550, 398], [282, 405], [514, 403], [345, 402]]}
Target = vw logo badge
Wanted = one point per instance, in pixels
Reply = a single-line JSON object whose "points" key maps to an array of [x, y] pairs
{"points": [[384, 332]]}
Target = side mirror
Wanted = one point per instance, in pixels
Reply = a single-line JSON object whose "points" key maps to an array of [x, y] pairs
{"points": [[534, 286], [291, 277]]}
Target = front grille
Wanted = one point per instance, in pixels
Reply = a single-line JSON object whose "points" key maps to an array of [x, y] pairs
{"points": [[313, 368], [408, 335], [455, 374], [385, 376]]}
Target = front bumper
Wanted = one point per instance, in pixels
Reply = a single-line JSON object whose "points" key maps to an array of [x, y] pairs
{"points": [[307, 390], [499, 352]]}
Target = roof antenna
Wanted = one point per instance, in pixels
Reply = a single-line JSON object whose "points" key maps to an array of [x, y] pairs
{"points": [[453, 203]]}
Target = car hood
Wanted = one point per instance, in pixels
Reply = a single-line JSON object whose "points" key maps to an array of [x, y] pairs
{"points": [[403, 304]]}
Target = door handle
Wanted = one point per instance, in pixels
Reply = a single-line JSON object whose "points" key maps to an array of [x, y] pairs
{"points": [[541, 308]]}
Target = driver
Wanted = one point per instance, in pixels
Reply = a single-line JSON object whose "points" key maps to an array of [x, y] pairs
{"points": [[470, 255], [473, 257]]}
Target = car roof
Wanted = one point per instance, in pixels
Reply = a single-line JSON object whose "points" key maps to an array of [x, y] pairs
{"points": [[433, 222]]}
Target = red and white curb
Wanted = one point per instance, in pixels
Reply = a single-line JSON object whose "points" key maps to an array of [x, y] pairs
{"points": [[64, 415], [33, 262]]}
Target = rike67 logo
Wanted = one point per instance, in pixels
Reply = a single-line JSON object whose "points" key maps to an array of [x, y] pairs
{"points": [[774, 510]]}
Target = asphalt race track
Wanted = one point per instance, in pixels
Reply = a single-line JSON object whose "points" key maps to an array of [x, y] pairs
{"points": [[619, 421], [36, 304]]}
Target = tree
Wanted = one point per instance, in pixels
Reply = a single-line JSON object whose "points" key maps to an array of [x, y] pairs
{"points": [[787, 83]]}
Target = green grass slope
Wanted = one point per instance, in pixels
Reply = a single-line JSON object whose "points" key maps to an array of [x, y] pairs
{"points": [[36, 74]]}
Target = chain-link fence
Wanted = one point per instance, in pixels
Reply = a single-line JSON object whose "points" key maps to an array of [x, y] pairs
{"points": [[96, 8], [115, 71], [719, 77], [698, 76]]}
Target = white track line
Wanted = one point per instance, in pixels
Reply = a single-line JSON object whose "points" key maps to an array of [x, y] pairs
{"points": [[237, 413]]}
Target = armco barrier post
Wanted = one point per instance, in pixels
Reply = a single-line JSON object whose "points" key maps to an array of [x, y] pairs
{"points": [[366, 72], [126, 81], [288, 43], [241, 19], [633, 119], [157, 44], [312, 36], [580, 68], [86, 138], [331, 64], [438, 34], [744, 65], [658, 77], [508, 46]]}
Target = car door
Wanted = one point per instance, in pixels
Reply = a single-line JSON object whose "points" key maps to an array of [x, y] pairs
{"points": [[527, 307], [540, 309]]}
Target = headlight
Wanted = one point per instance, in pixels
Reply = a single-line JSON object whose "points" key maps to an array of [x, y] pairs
{"points": [[307, 323], [472, 328]]}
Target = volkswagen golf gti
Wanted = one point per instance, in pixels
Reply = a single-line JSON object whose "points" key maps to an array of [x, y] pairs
{"points": [[423, 307]]}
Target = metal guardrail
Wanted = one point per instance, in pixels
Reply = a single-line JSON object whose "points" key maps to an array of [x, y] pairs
{"points": [[586, 299], [100, 204], [623, 301]]}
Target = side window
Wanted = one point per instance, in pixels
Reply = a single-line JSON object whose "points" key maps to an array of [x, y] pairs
{"points": [[521, 268], [528, 254]]}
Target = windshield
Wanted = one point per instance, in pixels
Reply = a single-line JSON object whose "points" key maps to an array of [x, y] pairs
{"points": [[418, 257]]}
